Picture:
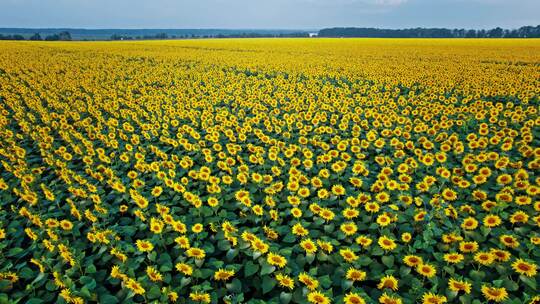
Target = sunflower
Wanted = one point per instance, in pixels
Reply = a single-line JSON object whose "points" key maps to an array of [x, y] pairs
{"points": [[197, 228], [459, 285], [156, 226], [276, 260], [484, 258], [524, 268], [325, 246], [196, 253], [469, 223], [387, 299], [387, 243], [348, 255], [316, 297], [144, 246], [519, 217], [492, 221], [449, 194], [348, 228], [431, 298], [509, 241], [200, 297], [363, 240], [285, 281], [153, 274], [350, 213], [355, 275], [156, 191], [383, 220], [353, 298], [298, 230], [388, 281], [406, 237], [426, 270], [453, 257], [326, 214], [468, 247], [223, 274], [372, 207], [309, 246], [412, 260], [135, 287], [494, 294], [182, 241], [184, 268], [310, 282]]}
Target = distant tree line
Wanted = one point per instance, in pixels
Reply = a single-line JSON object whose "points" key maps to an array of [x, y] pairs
{"points": [[522, 32], [11, 37], [193, 36], [62, 36]]}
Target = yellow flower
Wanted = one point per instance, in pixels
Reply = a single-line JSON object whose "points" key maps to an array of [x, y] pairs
{"points": [[276, 260], [388, 281], [484, 258], [316, 297], [348, 255], [310, 282], [309, 246], [431, 298], [200, 297], [459, 285], [153, 274], [223, 275], [348, 228], [184, 268], [426, 270], [412, 260], [144, 246], [197, 228], [387, 243], [524, 268], [494, 294], [285, 281], [156, 191], [355, 275], [353, 298], [196, 253], [453, 257]]}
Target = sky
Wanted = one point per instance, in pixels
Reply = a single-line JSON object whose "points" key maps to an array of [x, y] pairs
{"points": [[263, 14]]}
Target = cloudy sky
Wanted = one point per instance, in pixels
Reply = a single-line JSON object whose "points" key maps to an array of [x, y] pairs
{"points": [[282, 14]]}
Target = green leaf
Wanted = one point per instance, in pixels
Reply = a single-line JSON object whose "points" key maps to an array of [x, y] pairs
{"points": [[531, 282], [14, 251], [250, 268], [325, 281], [388, 260], [91, 269], [108, 299], [477, 275], [268, 284], [26, 273], [153, 293], [285, 297], [235, 286], [267, 269]]}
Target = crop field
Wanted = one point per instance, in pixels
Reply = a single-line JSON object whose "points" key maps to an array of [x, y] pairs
{"points": [[270, 171]]}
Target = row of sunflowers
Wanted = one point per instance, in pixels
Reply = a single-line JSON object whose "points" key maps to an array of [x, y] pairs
{"points": [[270, 171]]}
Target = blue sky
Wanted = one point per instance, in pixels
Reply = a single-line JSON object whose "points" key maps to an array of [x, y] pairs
{"points": [[283, 14]]}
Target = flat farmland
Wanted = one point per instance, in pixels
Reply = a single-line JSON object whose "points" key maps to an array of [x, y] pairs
{"points": [[270, 171]]}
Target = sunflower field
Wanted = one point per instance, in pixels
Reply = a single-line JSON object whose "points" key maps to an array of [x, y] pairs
{"points": [[270, 171]]}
